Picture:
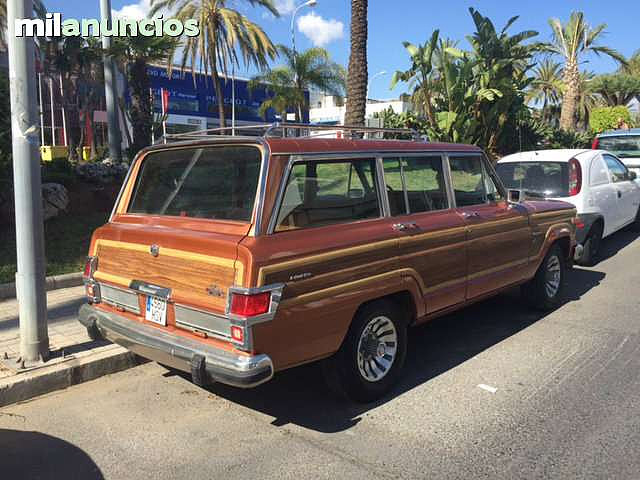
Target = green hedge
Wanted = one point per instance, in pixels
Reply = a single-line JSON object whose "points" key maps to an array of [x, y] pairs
{"points": [[608, 118]]}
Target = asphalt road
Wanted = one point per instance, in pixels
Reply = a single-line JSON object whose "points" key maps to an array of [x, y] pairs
{"points": [[567, 405]]}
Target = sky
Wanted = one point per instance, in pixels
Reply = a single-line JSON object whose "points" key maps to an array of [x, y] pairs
{"points": [[392, 22]]}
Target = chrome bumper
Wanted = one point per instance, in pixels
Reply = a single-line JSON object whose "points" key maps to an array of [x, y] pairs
{"points": [[202, 361]]}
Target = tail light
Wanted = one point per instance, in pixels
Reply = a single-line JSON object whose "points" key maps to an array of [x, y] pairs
{"points": [[90, 268], [575, 177], [250, 305], [92, 289], [595, 143]]}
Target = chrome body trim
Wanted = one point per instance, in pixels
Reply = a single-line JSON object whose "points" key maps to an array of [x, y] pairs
{"points": [[202, 321], [164, 347], [120, 297]]}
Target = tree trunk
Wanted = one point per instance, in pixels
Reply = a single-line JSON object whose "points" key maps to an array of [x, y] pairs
{"points": [[140, 111], [358, 75], [217, 85], [570, 97]]}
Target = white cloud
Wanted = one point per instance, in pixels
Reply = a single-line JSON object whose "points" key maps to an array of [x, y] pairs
{"points": [[321, 32], [285, 7], [133, 11]]}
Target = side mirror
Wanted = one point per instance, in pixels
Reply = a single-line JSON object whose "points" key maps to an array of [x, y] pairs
{"points": [[632, 175], [514, 196]]}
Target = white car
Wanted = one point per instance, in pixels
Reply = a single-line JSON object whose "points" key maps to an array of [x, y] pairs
{"points": [[600, 186]]}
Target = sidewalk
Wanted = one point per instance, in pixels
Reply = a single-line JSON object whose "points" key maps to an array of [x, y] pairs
{"points": [[75, 358]]}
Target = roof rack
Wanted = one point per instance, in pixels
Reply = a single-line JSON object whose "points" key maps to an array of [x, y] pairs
{"points": [[300, 130]]}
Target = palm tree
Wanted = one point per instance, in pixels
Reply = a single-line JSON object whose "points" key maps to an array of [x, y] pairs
{"points": [[133, 53], [572, 41], [288, 83], [357, 74], [616, 89], [546, 87], [226, 36], [421, 76]]}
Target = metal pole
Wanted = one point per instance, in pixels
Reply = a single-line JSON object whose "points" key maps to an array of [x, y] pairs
{"points": [[64, 120], [41, 109], [53, 113], [32, 300], [233, 101], [110, 89]]}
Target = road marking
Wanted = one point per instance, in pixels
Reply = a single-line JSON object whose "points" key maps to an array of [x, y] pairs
{"points": [[488, 388]]}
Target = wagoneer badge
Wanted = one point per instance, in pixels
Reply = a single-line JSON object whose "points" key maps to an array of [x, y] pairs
{"points": [[154, 250], [215, 291]]}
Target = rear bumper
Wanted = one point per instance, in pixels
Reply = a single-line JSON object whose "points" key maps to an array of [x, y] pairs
{"points": [[202, 361]]}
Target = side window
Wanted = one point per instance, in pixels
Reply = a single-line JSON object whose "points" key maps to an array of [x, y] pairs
{"points": [[598, 174], [394, 182], [617, 169], [323, 193], [424, 179], [467, 179]]}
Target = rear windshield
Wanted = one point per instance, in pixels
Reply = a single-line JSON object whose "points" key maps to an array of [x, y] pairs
{"points": [[547, 179], [622, 146], [212, 182]]}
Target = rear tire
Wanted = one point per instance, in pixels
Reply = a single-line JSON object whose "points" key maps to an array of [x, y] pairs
{"points": [[372, 355], [591, 246], [545, 290]]}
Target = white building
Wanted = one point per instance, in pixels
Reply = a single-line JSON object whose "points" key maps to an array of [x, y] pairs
{"points": [[330, 110]]}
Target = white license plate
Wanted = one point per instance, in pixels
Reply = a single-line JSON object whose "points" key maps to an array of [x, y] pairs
{"points": [[156, 310]]}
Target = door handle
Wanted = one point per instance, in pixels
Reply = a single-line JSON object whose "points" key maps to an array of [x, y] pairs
{"points": [[470, 214], [399, 227], [619, 194]]}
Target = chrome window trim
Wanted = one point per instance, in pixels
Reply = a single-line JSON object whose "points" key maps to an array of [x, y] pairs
{"points": [[258, 204], [382, 187], [298, 158], [449, 181], [445, 171]]}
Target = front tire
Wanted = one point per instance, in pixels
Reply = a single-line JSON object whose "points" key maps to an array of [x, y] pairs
{"points": [[372, 355], [545, 290]]}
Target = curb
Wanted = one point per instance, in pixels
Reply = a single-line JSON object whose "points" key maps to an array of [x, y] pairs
{"points": [[54, 282], [63, 375]]}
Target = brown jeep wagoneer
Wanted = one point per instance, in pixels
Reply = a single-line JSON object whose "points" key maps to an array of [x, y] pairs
{"points": [[232, 258]]}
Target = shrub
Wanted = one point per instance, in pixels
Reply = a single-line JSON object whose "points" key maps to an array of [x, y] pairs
{"points": [[608, 118]]}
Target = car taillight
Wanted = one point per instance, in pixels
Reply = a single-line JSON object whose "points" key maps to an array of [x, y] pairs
{"points": [[250, 305], [575, 177], [595, 143], [237, 334]]}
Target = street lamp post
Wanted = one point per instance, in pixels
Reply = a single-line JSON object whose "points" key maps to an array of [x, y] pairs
{"points": [[309, 3], [110, 88], [379, 74]]}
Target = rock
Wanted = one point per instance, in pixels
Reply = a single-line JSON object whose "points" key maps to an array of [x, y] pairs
{"points": [[102, 173], [55, 199]]}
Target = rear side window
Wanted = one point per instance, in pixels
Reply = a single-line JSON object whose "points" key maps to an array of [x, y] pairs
{"points": [[415, 184], [214, 182], [598, 174], [323, 193], [547, 179]]}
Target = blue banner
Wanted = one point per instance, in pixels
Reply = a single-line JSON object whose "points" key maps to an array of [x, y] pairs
{"points": [[198, 98]]}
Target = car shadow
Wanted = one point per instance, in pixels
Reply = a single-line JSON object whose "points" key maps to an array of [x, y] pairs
{"points": [[28, 454], [299, 395], [611, 245]]}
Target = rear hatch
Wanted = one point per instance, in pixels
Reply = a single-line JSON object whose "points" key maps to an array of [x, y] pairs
{"points": [[175, 233]]}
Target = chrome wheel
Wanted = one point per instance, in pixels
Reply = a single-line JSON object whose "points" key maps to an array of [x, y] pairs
{"points": [[553, 276], [377, 348]]}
